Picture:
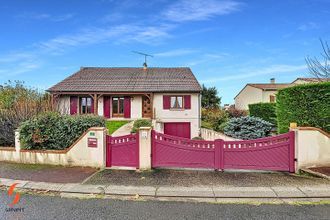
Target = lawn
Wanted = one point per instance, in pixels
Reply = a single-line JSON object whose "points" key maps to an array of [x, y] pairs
{"points": [[112, 126]]}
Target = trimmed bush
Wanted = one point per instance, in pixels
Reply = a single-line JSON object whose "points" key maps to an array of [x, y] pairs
{"points": [[140, 123], [247, 128], [54, 131], [265, 111], [307, 105]]}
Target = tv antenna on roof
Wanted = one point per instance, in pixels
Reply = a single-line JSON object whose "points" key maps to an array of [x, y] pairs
{"points": [[145, 57]]}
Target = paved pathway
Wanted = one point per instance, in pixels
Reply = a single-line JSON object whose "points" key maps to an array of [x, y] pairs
{"points": [[123, 130], [45, 173], [211, 192]]}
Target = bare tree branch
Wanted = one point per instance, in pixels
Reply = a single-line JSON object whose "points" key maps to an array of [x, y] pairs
{"points": [[317, 68]]}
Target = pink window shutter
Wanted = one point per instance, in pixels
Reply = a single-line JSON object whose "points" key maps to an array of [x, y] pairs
{"points": [[92, 106], [166, 102], [106, 106], [187, 102], [73, 105], [127, 107]]}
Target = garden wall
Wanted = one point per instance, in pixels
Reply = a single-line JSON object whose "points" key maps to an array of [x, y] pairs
{"points": [[211, 135], [312, 147], [78, 154]]}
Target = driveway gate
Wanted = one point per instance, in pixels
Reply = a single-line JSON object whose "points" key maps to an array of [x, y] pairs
{"points": [[270, 153]]}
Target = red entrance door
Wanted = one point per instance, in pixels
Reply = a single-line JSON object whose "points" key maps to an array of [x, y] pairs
{"points": [[179, 129]]}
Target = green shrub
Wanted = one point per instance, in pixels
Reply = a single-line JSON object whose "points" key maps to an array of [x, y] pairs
{"points": [[265, 111], [213, 118], [198, 138], [221, 127], [140, 123], [248, 128], [54, 131], [307, 105], [17, 104]]}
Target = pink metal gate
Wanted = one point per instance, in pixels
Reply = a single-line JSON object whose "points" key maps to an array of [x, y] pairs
{"points": [[271, 153], [123, 151]]}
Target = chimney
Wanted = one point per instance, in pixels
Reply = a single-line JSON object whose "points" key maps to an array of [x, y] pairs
{"points": [[145, 66], [272, 80]]}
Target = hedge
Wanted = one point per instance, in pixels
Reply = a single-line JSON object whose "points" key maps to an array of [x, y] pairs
{"points": [[247, 128], [266, 111], [140, 123], [52, 131], [307, 105]]}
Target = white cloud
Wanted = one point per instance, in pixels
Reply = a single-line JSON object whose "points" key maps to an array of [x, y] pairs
{"points": [[174, 53], [247, 73], [196, 10], [308, 26]]}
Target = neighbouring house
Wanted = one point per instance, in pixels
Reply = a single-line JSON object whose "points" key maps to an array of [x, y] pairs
{"points": [[266, 92], [258, 92], [310, 80], [170, 97]]}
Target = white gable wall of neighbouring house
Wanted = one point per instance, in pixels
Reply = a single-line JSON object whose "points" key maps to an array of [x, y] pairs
{"points": [[248, 96]]}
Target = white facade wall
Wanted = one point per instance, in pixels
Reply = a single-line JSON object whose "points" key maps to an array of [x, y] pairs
{"points": [[186, 115], [63, 105], [248, 96], [100, 106], [136, 107]]}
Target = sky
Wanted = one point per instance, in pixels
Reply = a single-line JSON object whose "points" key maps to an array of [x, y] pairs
{"points": [[226, 43]]}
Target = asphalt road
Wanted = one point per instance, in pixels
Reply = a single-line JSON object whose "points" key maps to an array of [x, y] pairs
{"points": [[48, 207]]}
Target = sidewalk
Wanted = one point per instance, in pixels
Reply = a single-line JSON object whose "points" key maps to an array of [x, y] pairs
{"points": [[213, 192]]}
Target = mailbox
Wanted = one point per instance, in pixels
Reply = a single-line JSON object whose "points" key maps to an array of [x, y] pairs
{"points": [[92, 142]]}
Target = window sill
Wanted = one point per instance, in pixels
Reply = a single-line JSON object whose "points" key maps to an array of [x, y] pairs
{"points": [[177, 109]]}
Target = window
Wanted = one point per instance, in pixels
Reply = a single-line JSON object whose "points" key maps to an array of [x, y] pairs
{"points": [[176, 102], [272, 98], [86, 105], [118, 106]]}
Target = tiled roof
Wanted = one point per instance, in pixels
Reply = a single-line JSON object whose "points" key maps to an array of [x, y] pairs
{"points": [[96, 79], [270, 86], [314, 79]]}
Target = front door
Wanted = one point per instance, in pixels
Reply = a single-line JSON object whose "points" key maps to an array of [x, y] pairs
{"points": [[118, 107], [146, 107]]}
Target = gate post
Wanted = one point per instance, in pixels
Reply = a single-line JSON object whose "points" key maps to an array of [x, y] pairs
{"points": [[108, 151], [145, 148], [292, 151], [218, 154]]}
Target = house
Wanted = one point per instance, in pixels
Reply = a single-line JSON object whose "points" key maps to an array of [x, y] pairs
{"points": [[169, 96], [266, 92], [310, 80], [258, 92]]}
